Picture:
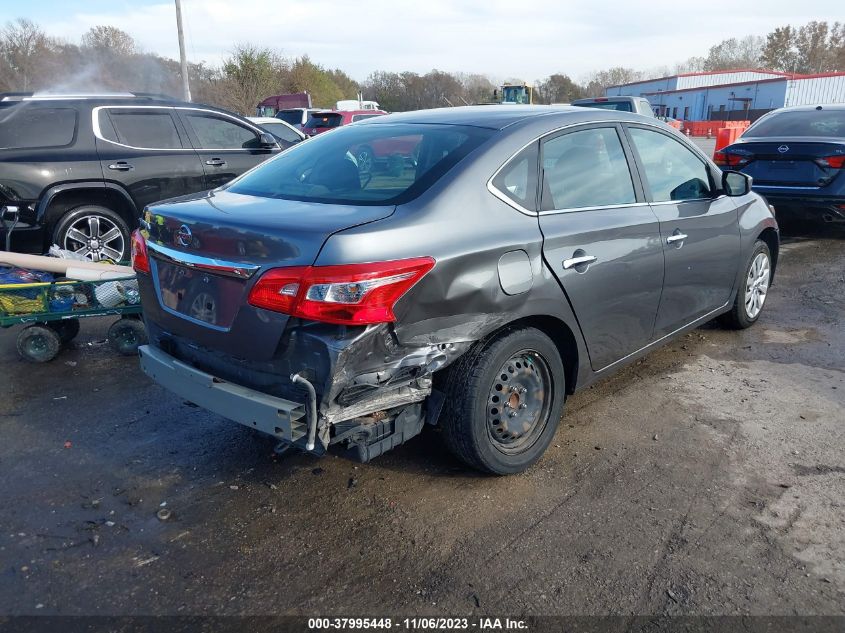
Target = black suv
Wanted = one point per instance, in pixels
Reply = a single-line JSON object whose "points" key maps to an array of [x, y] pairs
{"points": [[77, 170]]}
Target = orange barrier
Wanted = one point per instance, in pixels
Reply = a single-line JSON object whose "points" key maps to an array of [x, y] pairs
{"points": [[675, 124], [727, 136], [710, 128]]}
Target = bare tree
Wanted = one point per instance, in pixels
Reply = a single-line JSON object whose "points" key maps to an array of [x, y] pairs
{"points": [[109, 39], [23, 46]]}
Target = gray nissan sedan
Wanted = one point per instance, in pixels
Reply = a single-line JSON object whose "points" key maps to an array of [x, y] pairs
{"points": [[487, 263]]}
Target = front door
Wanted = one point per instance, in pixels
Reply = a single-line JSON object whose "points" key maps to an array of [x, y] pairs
{"points": [[225, 145], [698, 227], [143, 150], [601, 240]]}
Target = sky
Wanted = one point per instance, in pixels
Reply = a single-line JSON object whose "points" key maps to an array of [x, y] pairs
{"points": [[525, 39]]}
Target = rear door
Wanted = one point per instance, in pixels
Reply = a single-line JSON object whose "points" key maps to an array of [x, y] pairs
{"points": [[145, 150], [226, 146], [601, 239], [698, 228]]}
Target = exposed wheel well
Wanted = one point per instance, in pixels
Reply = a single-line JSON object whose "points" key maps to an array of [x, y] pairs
{"points": [[64, 201], [770, 237], [563, 338]]}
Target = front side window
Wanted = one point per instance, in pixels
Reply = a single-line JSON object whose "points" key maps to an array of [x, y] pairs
{"points": [[518, 179], [282, 132], [27, 128], [147, 128], [672, 171], [586, 168], [334, 168], [215, 132]]}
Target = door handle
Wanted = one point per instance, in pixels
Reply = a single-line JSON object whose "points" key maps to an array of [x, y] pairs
{"points": [[121, 165], [216, 162], [572, 262], [676, 237]]}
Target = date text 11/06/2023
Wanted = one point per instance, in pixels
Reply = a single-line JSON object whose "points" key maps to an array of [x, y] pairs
{"points": [[418, 624]]}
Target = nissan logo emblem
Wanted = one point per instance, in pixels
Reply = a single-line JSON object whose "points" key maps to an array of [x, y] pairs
{"points": [[783, 149], [184, 236]]}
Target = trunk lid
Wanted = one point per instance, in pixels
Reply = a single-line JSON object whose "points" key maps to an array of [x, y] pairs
{"points": [[207, 250], [789, 161]]}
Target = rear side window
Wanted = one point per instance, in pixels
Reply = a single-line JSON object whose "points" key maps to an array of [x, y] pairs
{"points": [[363, 164], [518, 179], [586, 168], [361, 117], [215, 132], [801, 123], [28, 128], [673, 172], [327, 119], [146, 129]]}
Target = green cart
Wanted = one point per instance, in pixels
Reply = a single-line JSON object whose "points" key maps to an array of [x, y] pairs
{"points": [[50, 313]]}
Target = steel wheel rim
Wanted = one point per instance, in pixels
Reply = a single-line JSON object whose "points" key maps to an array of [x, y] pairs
{"points": [[519, 402], [96, 237], [757, 285]]}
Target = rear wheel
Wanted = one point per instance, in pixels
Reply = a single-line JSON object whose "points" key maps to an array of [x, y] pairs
{"points": [[126, 335], [38, 344], [96, 232], [751, 295], [504, 402]]}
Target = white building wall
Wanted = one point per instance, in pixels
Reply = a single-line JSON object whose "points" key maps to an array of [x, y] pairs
{"points": [[815, 90], [718, 79]]}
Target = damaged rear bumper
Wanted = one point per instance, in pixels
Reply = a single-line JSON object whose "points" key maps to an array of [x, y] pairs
{"points": [[281, 418]]}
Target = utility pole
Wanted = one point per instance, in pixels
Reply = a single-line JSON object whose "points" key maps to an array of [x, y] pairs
{"points": [[186, 89]]}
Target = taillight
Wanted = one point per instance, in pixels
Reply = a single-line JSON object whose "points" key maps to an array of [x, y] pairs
{"points": [[349, 294], [835, 162], [140, 259], [725, 159]]}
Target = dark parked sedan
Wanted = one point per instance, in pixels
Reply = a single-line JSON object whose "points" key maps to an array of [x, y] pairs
{"points": [[797, 159], [525, 253]]}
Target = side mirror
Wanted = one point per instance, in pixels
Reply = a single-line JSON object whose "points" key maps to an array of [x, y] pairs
{"points": [[735, 183], [267, 140]]}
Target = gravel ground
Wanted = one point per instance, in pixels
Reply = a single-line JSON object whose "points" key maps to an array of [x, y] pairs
{"points": [[708, 478]]}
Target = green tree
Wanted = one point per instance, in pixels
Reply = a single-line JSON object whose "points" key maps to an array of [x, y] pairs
{"points": [[249, 75], [735, 53], [557, 88]]}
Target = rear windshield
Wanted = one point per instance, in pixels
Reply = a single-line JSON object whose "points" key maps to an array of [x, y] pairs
{"points": [[27, 128], [801, 123], [294, 117], [363, 164], [621, 106], [325, 119]]}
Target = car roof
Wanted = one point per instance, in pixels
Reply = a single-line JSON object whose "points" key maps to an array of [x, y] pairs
{"points": [[266, 119], [498, 117], [107, 99], [823, 106]]}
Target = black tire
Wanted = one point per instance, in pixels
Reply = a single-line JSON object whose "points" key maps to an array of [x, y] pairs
{"points": [[468, 419], [67, 329], [66, 233], [739, 317], [126, 335], [38, 344]]}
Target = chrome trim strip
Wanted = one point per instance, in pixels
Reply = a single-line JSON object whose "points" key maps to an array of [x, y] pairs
{"points": [[95, 124], [787, 187], [598, 208], [209, 264]]}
